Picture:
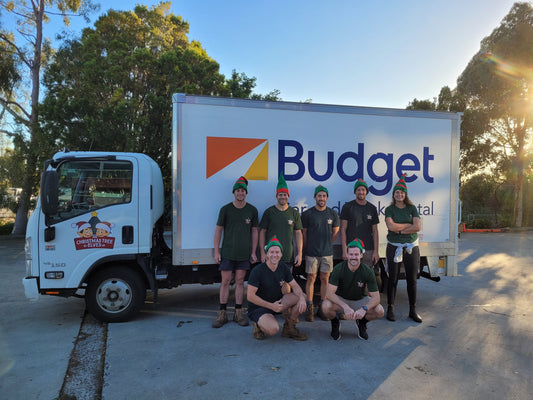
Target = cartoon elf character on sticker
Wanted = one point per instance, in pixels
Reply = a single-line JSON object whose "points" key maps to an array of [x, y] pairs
{"points": [[103, 229], [84, 229]]}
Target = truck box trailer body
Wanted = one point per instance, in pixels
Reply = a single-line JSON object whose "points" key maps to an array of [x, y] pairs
{"points": [[97, 225]]}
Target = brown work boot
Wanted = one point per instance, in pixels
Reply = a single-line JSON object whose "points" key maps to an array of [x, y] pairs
{"points": [[310, 313], [286, 314], [258, 333], [290, 331], [240, 318], [222, 318]]}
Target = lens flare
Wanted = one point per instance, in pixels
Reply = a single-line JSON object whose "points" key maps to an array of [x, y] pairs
{"points": [[507, 69]]}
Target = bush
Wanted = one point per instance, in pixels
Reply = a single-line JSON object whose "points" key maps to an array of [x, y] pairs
{"points": [[6, 228], [481, 223], [505, 222]]}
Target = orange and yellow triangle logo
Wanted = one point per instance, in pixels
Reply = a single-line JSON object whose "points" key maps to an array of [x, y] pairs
{"points": [[222, 151]]}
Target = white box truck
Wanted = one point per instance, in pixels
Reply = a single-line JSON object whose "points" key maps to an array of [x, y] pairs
{"points": [[97, 229]]}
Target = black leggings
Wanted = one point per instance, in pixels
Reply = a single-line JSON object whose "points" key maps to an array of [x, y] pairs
{"points": [[411, 264]]}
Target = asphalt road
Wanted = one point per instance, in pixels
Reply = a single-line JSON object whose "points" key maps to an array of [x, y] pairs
{"points": [[476, 342]]}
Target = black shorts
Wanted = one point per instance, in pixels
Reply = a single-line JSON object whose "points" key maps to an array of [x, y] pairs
{"points": [[231, 265]]}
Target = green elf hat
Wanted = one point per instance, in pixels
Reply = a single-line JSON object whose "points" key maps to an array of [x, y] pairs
{"points": [[242, 182], [400, 185], [357, 243], [274, 242], [321, 188], [282, 185], [358, 183]]}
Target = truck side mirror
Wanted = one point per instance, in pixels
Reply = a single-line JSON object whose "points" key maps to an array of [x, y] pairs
{"points": [[49, 192]]}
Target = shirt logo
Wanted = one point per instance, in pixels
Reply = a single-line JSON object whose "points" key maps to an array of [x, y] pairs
{"points": [[247, 221], [330, 221], [360, 284], [290, 221]]}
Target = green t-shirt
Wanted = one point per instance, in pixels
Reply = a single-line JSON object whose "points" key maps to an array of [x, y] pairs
{"points": [[353, 285], [402, 216], [282, 224], [237, 224], [319, 225], [268, 282]]}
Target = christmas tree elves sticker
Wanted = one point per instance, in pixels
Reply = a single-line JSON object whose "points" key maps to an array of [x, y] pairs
{"points": [[94, 234]]}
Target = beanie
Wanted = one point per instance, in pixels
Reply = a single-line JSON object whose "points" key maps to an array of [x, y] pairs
{"points": [[358, 183], [321, 188], [242, 182]]}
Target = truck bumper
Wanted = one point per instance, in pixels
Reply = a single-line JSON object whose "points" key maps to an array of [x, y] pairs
{"points": [[30, 288]]}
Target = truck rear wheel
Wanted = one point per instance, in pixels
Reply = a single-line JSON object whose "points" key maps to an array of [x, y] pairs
{"points": [[115, 294]]}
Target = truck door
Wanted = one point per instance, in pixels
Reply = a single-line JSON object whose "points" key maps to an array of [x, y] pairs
{"points": [[97, 218]]}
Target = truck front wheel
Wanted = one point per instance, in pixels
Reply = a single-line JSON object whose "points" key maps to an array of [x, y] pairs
{"points": [[115, 294]]}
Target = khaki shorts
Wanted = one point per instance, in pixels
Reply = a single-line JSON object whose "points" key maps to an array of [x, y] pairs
{"points": [[315, 264]]}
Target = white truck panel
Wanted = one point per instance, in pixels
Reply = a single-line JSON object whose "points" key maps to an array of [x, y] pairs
{"points": [[344, 143]]}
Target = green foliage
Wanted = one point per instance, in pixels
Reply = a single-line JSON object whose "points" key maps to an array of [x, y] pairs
{"points": [[9, 63], [497, 85], [482, 194], [505, 222], [427, 105], [448, 100], [29, 51], [6, 228], [481, 223], [111, 89]]}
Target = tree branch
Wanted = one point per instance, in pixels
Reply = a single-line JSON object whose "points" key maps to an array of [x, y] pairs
{"points": [[8, 104], [20, 53]]}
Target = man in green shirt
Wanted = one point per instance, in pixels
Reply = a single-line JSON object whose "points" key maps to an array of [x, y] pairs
{"points": [[238, 221], [352, 290], [284, 222]]}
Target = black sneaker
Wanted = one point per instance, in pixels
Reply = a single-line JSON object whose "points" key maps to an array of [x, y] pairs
{"points": [[335, 331], [361, 329]]}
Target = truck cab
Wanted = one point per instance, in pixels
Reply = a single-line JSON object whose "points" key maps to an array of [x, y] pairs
{"points": [[93, 230]]}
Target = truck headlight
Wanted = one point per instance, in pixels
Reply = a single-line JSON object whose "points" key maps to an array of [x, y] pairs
{"points": [[28, 256]]}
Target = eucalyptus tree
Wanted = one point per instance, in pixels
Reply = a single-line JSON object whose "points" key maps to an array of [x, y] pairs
{"points": [[497, 85], [29, 50]]}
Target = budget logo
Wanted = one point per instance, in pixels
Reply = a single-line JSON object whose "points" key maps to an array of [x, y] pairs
{"points": [[223, 151]]}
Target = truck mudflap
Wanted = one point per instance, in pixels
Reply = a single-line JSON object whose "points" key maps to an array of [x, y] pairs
{"points": [[30, 288]]}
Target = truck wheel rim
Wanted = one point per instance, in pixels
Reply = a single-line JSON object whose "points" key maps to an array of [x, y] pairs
{"points": [[114, 295]]}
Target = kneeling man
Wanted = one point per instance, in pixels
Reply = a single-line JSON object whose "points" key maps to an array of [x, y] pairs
{"points": [[352, 290], [269, 293]]}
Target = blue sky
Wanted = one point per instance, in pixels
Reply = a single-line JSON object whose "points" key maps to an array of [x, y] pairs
{"points": [[369, 53]]}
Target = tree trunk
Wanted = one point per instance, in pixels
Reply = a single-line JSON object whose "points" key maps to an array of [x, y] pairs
{"points": [[31, 161], [21, 219], [519, 200]]}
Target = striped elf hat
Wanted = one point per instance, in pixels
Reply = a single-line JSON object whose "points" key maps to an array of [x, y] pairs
{"points": [[357, 243], [400, 185], [274, 242], [282, 185], [242, 182]]}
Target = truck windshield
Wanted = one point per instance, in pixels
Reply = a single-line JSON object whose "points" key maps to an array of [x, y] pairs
{"points": [[87, 185]]}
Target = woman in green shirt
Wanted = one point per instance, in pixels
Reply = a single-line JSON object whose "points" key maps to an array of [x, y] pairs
{"points": [[403, 223]]}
